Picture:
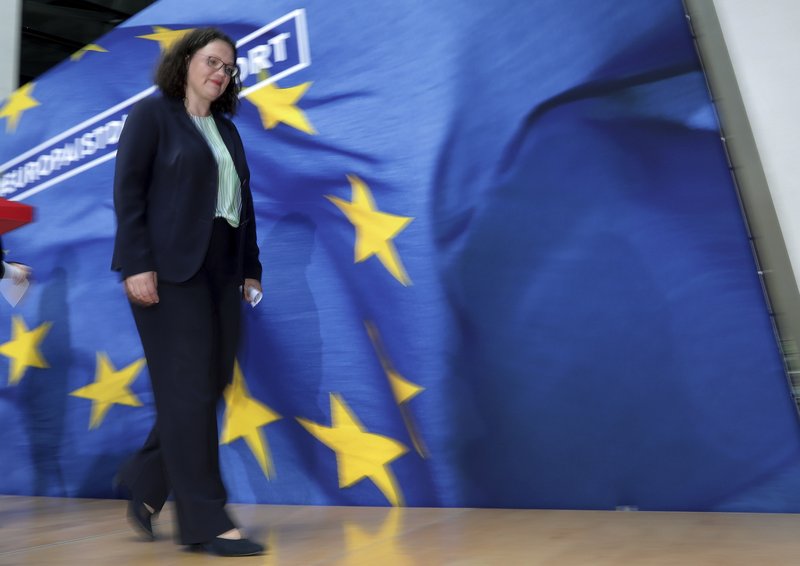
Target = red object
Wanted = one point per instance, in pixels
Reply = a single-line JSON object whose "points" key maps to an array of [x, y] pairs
{"points": [[13, 215]]}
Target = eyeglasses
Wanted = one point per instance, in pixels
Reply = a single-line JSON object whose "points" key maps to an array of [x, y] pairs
{"points": [[216, 63]]}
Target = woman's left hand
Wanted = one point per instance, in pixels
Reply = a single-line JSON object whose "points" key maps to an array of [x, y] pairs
{"points": [[250, 284]]}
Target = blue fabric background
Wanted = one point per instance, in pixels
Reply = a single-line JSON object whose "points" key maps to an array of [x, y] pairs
{"points": [[584, 310]]}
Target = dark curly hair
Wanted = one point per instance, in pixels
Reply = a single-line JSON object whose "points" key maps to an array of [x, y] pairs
{"points": [[174, 65]]}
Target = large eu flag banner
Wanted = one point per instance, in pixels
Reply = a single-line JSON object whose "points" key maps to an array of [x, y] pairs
{"points": [[505, 265]]}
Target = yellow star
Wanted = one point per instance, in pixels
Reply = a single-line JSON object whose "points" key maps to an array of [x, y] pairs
{"points": [[375, 230], [110, 387], [18, 102], [165, 36], [403, 389], [23, 348], [359, 454], [244, 417], [277, 105], [85, 49]]}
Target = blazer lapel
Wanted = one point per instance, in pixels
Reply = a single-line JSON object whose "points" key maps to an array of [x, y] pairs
{"points": [[224, 131]]}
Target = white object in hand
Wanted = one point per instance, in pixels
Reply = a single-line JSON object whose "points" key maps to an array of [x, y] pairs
{"points": [[9, 288], [254, 296]]}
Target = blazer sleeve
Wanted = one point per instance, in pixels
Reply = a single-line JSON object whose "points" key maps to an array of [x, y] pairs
{"points": [[133, 171], [252, 265], [2, 255]]}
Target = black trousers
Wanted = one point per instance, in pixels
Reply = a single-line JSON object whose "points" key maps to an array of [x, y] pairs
{"points": [[190, 339]]}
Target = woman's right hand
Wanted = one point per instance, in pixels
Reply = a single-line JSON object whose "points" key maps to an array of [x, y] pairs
{"points": [[141, 288]]}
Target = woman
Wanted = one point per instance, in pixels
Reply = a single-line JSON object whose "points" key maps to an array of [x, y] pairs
{"points": [[186, 249]]}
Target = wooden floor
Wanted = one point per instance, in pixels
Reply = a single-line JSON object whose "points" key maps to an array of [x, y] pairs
{"points": [[44, 531]]}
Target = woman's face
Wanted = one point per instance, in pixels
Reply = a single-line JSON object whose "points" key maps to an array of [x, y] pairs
{"points": [[203, 80]]}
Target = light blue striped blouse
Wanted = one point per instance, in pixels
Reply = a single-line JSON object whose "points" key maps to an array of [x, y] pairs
{"points": [[229, 195]]}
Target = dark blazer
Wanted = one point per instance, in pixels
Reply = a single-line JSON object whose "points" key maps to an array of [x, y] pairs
{"points": [[2, 253], [165, 193]]}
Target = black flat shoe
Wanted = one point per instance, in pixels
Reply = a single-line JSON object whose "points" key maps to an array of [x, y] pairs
{"points": [[232, 547], [141, 519]]}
